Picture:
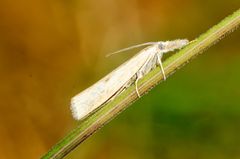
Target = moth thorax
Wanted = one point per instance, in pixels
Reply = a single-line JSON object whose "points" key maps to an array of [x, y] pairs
{"points": [[176, 44]]}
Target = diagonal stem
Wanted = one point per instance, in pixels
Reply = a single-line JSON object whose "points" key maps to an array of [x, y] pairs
{"points": [[109, 111]]}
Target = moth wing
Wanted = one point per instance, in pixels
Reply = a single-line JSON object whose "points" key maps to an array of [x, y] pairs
{"points": [[91, 98]]}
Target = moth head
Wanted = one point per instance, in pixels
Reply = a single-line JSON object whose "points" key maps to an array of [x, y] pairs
{"points": [[167, 46]]}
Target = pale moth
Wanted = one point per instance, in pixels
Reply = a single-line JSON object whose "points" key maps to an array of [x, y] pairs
{"points": [[122, 77]]}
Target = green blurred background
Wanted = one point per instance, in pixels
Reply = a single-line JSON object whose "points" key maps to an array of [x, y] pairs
{"points": [[51, 50]]}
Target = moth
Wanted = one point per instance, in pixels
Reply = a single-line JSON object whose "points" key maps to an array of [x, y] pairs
{"points": [[122, 77]]}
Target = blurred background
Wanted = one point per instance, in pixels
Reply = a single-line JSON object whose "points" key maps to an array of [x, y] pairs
{"points": [[51, 50]]}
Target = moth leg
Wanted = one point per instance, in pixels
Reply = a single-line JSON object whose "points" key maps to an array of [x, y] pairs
{"points": [[136, 87], [161, 66]]}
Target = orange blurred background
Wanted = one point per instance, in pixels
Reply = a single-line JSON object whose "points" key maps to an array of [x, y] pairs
{"points": [[51, 50]]}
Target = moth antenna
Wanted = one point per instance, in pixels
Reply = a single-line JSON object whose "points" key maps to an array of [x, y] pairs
{"points": [[131, 47]]}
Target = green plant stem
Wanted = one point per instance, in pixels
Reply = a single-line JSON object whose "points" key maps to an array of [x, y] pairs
{"points": [[107, 112]]}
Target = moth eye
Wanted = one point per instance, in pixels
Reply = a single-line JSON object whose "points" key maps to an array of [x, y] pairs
{"points": [[160, 46]]}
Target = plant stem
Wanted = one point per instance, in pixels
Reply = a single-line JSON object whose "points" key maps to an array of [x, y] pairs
{"points": [[107, 112]]}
